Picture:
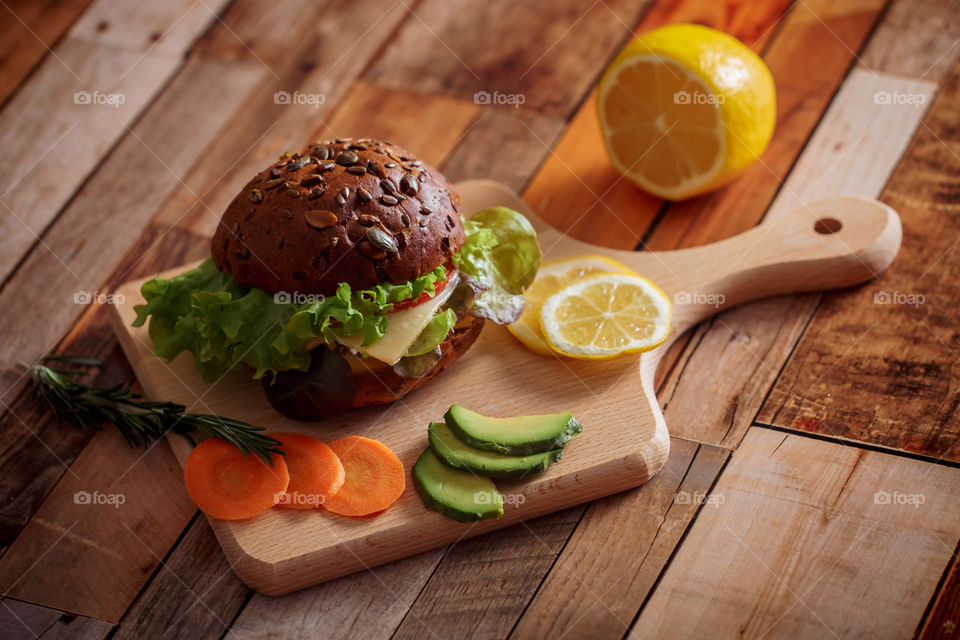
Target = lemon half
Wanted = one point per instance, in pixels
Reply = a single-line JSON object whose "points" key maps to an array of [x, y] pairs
{"points": [[684, 109]]}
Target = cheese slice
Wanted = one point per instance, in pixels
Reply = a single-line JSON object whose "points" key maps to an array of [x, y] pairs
{"points": [[403, 327]]}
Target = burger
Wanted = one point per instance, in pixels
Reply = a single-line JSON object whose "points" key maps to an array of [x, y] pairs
{"points": [[343, 275]]}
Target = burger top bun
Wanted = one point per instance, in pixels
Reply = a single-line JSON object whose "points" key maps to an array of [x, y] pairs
{"points": [[355, 211]]}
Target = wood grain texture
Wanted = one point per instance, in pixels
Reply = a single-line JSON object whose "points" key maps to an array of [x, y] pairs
{"points": [[881, 364], [503, 144], [944, 616], [790, 546], [605, 395], [28, 29], [92, 558], [578, 190], [56, 129], [515, 559], [106, 217], [34, 452], [551, 62], [161, 28], [192, 595], [368, 604], [325, 63], [919, 39], [621, 546], [24, 620], [719, 387]]}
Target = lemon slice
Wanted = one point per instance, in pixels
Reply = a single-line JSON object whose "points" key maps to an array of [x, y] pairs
{"points": [[551, 277], [606, 316], [685, 109]]}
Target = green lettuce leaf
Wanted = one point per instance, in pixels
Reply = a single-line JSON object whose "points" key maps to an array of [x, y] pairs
{"points": [[223, 324], [434, 333], [500, 254]]}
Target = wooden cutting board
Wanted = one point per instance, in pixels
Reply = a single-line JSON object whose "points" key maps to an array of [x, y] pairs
{"points": [[831, 243]]}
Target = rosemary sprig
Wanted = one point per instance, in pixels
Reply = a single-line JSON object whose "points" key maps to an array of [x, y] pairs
{"points": [[139, 421]]}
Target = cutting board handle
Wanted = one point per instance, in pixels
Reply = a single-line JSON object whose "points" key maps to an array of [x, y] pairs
{"points": [[830, 243]]}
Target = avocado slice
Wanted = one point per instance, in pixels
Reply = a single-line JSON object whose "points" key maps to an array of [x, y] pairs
{"points": [[456, 494], [456, 453], [518, 436]]}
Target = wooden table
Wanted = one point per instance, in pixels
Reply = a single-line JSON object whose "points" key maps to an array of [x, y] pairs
{"points": [[813, 485]]}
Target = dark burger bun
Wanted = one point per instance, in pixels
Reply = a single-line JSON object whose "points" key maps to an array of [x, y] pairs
{"points": [[355, 211]]}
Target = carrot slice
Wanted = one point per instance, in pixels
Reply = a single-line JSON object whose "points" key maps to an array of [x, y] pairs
{"points": [[375, 477], [227, 485], [315, 471]]}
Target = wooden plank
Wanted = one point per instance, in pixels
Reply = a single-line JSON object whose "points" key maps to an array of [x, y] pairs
{"points": [[578, 190], [944, 616], [71, 112], [620, 548], [809, 539], [121, 197], [92, 558], [25, 620], [407, 118], [503, 144], [158, 28], [369, 604], [458, 601], [324, 63], [193, 594], [880, 364], [918, 39], [28, 29], [718, 388], [544, 52]]}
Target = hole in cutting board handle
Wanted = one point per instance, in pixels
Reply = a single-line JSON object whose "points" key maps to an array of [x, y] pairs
{"points": [[826, 226]]}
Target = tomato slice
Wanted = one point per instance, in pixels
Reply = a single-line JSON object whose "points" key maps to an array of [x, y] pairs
{"points": [[412, 302]]}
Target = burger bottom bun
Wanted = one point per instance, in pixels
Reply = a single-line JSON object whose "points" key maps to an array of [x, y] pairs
{"points": [[383, 385]]}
